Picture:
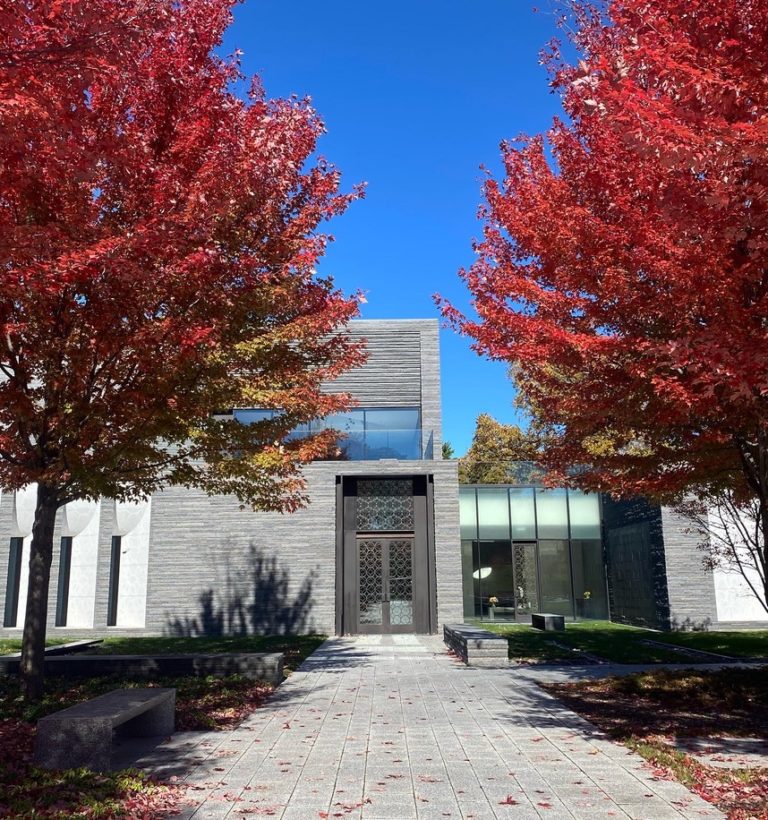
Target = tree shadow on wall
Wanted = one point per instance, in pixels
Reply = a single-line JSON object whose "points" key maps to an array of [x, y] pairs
{"points": [[257, 601]]}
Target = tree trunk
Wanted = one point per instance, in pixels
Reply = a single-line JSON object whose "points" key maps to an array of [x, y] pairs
{"points": [[41, 553]]}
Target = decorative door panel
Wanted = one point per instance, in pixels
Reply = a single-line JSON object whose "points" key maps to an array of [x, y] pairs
{"points": [[385, 567]]}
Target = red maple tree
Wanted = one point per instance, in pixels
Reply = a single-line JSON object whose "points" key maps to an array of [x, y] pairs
{"points": [[623, 269], [158, 242]]}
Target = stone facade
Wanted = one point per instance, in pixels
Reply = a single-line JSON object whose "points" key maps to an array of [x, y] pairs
{"points": [[210, 567]]}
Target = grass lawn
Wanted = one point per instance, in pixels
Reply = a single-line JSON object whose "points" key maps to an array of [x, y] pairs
{"points": [[622, 644], [201, 704], [647, 711], [8, 646]]}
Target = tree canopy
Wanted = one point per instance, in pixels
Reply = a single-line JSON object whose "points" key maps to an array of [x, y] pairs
{"points": [[623, 269], [159, 236], [499, 454], [625, 277]]}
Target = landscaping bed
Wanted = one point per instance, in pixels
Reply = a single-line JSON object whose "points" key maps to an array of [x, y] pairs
{"points": [[619, 643], [201, 704], [652, 712]]}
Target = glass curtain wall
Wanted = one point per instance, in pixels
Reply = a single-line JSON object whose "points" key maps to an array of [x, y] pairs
{"points": [[531, 549]]}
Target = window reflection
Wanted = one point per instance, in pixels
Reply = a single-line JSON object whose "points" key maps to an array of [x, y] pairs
{"points": [[365, 434], [540, 568]]}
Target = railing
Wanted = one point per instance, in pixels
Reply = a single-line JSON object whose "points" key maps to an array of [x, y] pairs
{"points": [[374, 445]]}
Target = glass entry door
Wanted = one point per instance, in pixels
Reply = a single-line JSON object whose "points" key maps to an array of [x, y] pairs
{"points": [[385, 566]]}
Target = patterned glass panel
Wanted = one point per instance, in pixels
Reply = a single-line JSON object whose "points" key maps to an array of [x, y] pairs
{"points": [[370, 581], [385, 505], [524, 556], [401, 583]]}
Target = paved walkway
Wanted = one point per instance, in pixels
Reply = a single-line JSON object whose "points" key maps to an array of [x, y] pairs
{"points": [[393, 728]]}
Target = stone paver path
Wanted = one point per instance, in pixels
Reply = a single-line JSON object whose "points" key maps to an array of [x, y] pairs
{"points": [[394, 728]]}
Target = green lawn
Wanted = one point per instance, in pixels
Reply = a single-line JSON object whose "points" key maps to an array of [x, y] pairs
{"points": [[622, 644], [8, 646]]}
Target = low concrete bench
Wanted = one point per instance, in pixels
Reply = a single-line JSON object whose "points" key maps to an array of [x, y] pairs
{"points": [[548, 621], [475, 646], [82, 734]]}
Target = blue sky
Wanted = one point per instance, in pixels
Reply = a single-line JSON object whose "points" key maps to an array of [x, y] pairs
{"points": [[416, 98]]}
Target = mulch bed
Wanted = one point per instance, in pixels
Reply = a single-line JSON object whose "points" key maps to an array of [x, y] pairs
{"points": [[27, 791]]}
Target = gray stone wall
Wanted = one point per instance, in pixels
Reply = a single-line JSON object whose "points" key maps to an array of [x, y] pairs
{"points": [[403, 369], [691, 588], [215, 568]]}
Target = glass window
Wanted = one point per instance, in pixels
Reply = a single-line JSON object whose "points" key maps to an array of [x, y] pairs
{"points": [[551, 513], [365, 434], [589, 579], [352, 422], [13, 582], [65, 568], [584, 510], [497, 580], [251, 415], [114, 580], [493, 512], [395, 418], [470, 585], [522, 513], [468, 513], [555, 575]]}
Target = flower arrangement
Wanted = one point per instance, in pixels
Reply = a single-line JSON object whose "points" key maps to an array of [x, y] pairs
{"points": [[493, 601], [586, 595]]}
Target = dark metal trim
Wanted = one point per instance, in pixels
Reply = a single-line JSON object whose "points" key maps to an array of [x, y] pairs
{"points": [[13, 583], [114, 580], [62, 593], [432, 624], [339, 557]]}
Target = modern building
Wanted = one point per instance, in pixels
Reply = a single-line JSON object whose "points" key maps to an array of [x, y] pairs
{"points": [[380, 548], [529, 549], [375, 550]]}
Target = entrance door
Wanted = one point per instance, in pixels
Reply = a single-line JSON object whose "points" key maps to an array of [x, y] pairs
{"points": [[385, 566], [385, 579]]}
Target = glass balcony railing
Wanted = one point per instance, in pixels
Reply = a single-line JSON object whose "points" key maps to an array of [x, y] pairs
{"points": [[365, 434], [373, 445]]}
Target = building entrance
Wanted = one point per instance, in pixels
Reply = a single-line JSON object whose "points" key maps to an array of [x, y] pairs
{"points": [[385, 566]]}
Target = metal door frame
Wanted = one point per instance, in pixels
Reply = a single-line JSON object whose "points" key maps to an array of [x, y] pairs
{"points": [[423, 568]]}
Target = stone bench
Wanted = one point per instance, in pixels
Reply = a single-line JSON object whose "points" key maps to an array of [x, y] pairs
{"points": [[548, 622], [82, 735], [476, 646]]}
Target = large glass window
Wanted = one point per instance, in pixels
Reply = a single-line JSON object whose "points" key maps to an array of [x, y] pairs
{"points": [[471, 585], [589, 579], [366, 434], [522, 513], [13, 582], [555, 578], [540, 568], [493, 512], [551, 513], [526, 586], [584, 512], [468, 513], [497, 580], [62, 595]]}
